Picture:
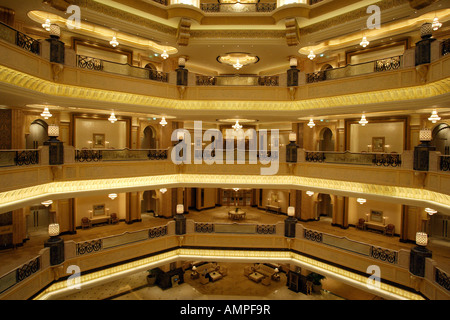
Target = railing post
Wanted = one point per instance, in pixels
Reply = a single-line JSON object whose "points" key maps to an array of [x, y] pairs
{"points": [[290, 223], [57, 48], [423, 47]]}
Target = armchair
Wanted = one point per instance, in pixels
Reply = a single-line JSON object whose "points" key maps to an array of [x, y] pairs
{"points": [[360, 224], [114, 218], [389, 230], [85, 223]]}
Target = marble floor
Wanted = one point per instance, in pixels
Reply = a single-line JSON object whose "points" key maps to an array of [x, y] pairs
{"points": [[234, 286]]}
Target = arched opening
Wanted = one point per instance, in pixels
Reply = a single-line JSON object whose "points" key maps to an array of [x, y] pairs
{"points": [[150, 66], [149, 204], [149, 140], [324, 207], [326, 67], [326, 142], [38, 134], [441, 138]]}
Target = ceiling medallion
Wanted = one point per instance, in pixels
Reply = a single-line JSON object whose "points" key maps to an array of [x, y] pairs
{"points": [[238, 59]]}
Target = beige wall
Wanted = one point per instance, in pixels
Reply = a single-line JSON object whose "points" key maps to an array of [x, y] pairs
{"points": [[115, 133], [84, 204], [391, 211], [361, 137]]}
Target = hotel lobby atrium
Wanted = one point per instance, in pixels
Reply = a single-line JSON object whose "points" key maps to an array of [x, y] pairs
{"points": [[224, 150]]}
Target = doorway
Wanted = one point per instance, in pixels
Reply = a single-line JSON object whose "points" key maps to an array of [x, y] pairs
{"points": [[38, 134], [236, 198], [38, 220], [324, 207], [149, 140], [149, 204], [440, 227], [326, 142], [441, 138]]}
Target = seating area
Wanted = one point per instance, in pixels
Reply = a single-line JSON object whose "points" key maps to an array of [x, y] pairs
{"points": [[261, 273], [87, 223], [208, 272]]}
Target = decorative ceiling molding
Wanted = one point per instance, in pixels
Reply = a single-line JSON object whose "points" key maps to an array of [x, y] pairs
{"points": [[21, 80], [241, 34]]}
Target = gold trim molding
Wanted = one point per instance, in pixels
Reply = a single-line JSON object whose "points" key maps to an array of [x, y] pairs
{"points": [[21, 80]]}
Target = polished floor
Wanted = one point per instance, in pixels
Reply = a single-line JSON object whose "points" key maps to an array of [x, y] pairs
{"points": [[234, 286], [11, 258]]}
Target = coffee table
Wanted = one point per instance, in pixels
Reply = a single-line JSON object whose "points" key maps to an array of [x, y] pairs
{"points": [[256, 276]]}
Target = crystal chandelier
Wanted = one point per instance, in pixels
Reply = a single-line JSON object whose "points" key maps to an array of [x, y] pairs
{"points": [[364, 43], [237, 126], [112, 196], [237, 65], [112, 118], [46, 114], [163, 121], [363, 121], [163, 190], [310, 193], [436, 24], [47, 203], [47, 25], [311, 55], [434, 117], [311, 123], [430, 211], [361, 200], [114, 42], [164, 55]]}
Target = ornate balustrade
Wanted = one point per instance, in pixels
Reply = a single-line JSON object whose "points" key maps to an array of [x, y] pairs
{"points": [[19, 274], [97, 245], [237, 7], [387, 64], [96, 64], [377, 159], [19, 39], [19, 157], [93, 155], [204, 227], [442, 279], [384, 255], [445, 47], [237, 80], [444, 163]]}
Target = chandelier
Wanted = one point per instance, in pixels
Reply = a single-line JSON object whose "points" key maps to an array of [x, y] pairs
{"points": [[164, 55], [112, 196], [46, 114], [47, 25], [163, 190], [311, 123], [436, 24], [434, 117], [237, 65], [361, 200], [163, 121], [114, 42], [311, 55], [364, 43], [47, 203], [112, 118], [430, 211], [310, 193], [237, 126], [363, 121]]}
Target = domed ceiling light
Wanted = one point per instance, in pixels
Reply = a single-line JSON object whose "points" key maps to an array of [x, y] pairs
{"points": [[46, 114], [112, 196], [310, 193], [364, 43], [47, 24], [112, 118], [430, 211], [114, 43], [363, 121], [361, 200], [434, 117], [237, 65]]}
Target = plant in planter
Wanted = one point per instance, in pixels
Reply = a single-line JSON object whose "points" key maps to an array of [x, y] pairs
{"points": [[316, 280]]}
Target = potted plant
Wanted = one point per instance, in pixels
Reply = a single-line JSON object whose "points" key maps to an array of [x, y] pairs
{"points": [[316, 280]]}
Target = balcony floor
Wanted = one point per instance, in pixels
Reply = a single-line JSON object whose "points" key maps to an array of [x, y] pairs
{"points": [[11, 258]]}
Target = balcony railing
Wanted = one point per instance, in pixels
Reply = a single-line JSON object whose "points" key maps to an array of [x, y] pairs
{"points": [[240, 80], [388, 64], [445, 47], [444, 163], [242, 228], [377, 159], [442, 279], [238, 7], [20, 273], [96, 64], [19, 39], [93, 155], [10, 158]]}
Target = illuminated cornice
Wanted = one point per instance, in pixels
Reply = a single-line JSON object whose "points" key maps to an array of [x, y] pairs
{"points": [[63, 189], [97, 31], [21, 80], [62, 288]]}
